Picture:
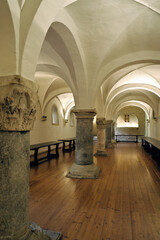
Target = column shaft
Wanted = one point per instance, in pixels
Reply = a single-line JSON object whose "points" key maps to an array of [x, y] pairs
{"points": [[18, 98], [84, 137], [101, 124], [84, 166], [113, 132], [109, 134], [14, 188]]}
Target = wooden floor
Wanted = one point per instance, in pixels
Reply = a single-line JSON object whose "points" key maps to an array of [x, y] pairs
{"points": [[123, 204]]}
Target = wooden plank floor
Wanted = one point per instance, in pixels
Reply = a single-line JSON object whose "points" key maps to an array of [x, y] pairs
{"points": [[123, 204]]}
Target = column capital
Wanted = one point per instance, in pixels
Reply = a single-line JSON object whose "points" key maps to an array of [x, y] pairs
{"points": [[84, 113], [18, 100], [109, 121], [101, 123]]}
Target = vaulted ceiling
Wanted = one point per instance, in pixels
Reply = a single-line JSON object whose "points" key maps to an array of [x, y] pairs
{"points": [[107, 53]]}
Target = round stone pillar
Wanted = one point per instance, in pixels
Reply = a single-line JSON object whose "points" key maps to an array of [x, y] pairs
{"points": [[101, 126], [18, 99], [14, 189], [109, 143], [84, 166], [113, 132]]}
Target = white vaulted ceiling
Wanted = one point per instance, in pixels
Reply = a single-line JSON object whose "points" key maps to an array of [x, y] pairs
{"points": [[104, 51]]}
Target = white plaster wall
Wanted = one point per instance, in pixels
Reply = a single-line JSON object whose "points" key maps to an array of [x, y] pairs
{"points": [[45, 131], [158, 129], [153, 128], [158, 122], [155, 125]]}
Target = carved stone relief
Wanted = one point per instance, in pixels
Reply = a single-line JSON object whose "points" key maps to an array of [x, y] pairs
{"points": [[101, 123], [18, 100]]}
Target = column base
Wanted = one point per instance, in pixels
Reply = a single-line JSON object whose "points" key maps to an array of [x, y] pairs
{"points": [[113, 141], [34, 232], [110, 145], [100, 153], [84, 171], [37, 233]]}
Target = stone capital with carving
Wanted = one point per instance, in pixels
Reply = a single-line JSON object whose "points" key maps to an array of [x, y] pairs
{"points": [[84, 113], [109, 121], [18, 101], [101, 123]]}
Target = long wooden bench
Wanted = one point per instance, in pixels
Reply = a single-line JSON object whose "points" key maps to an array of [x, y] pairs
{"points": [[71, 145], [134, 137], [36, 147], [152, 146]]}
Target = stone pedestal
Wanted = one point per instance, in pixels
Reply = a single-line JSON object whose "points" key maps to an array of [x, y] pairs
{"points": [[18, 100], [84, 166], [109, 143], [101, 125]]}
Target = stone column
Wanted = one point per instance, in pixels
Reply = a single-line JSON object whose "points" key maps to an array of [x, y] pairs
{"points": [[18, 99], [101, 126], [109, 143], [84, 166]]}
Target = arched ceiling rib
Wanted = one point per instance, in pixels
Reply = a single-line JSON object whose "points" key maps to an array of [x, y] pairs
{"points": [[145, 107], [143, 89], [152, 5], [130, 95], [49, 87], [110, 35], [44, 16], [21, 3], [55, 71], [124, 43], [137, 77], [142, 79], [90, 46]]}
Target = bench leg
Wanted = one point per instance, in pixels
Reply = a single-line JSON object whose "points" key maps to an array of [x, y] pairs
{"points": [[63, 146], [73, 144], [36, 156], [70, 145], [57, 153], [49, 152]]}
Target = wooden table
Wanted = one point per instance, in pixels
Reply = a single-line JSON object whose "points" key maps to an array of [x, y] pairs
{"points": [[123, 135], [36, 147], [71, 145]]}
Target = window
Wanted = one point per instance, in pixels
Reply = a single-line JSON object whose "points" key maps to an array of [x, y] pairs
{"points": [[55, 119], [126, 118]]}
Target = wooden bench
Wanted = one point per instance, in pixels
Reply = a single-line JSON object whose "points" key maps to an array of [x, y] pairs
{"points": [[36, 147], [152, 146], [134, 136], [71, 145]]}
